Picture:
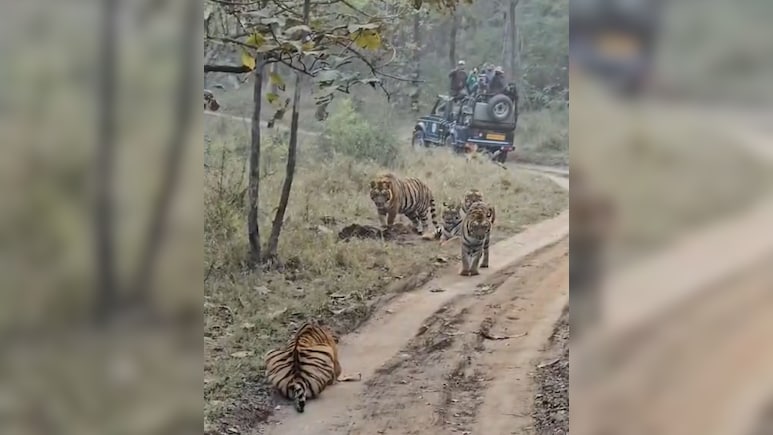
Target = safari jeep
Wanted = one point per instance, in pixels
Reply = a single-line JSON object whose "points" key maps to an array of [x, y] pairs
{"points": [[485, 124]]}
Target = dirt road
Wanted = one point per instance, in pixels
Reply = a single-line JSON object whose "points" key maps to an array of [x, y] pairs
{"points": [[426, 364]]}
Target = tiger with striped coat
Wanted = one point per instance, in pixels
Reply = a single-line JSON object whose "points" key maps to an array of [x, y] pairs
{"points": [[407, 196], [472, 196], [450, 222], [476, 236], [307, 365]]}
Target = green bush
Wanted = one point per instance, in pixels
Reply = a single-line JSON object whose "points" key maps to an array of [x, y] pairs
{"points": [[347, 132]]}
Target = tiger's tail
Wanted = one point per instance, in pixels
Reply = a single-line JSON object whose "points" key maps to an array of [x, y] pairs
{"points": [[299, 395], [433, 216]]}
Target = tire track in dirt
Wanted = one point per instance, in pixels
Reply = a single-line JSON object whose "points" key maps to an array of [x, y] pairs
{"points": [[451, 379]]}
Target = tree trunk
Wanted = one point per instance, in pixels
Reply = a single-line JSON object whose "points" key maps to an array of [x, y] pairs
{"points": [[105, 159], [514, 55], [292, 151], [184, 110], [415, 88], [274, 89], [452, 41], [253, 229]]}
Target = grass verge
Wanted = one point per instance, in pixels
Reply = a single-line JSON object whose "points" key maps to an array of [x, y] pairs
{"points": [[542, 138]]}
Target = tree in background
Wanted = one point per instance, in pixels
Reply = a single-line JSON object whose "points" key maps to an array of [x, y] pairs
{"points": [[337, 44]]}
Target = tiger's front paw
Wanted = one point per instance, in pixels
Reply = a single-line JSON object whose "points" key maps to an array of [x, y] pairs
{"points": [[465, 273], [484, 265]]}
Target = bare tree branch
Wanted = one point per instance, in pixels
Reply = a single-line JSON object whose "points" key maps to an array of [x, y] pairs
{"points": [[231, 69], [233, 3]]}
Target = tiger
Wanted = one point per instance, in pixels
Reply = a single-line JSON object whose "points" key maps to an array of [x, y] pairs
{"points": [[451, 224], [476, 235], [307, 365], [407, 196], [472, 196]]}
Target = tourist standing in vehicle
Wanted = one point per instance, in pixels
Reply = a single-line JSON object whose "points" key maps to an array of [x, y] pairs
{"points": [[472, 81], [482, 87], [497, 84], [458, 78], [489, 74]]}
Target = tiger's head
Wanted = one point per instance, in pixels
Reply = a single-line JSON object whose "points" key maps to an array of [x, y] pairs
{"points": [[451, 215], [381, 192], [472, 196], [478, 219]]}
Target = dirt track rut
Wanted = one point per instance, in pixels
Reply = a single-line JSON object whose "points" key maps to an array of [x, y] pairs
{"points": [[450, 378], [428, 340]]}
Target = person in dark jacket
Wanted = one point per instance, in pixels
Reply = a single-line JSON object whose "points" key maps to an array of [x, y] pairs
{"points": [[458, 78], [497, 84], [489, 73]]}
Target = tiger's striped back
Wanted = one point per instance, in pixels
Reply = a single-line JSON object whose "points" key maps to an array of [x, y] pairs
{"points": [[407, 196], [304, 367]]}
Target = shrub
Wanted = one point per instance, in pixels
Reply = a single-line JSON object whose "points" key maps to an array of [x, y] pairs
{"points": [[349, 133]]}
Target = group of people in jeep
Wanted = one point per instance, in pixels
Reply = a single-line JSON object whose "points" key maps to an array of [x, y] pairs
{"points": [[489, 80]]}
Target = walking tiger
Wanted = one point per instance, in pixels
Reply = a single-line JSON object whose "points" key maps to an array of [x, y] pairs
{"points": [[476, 235], [407, 196]]}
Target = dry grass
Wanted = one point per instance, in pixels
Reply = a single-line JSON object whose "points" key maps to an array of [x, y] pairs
{"points": [[542, 138], [338, 282]]}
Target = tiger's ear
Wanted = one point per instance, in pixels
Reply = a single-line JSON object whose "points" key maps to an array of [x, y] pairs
{"points": [[372, 184], [445, 204]]}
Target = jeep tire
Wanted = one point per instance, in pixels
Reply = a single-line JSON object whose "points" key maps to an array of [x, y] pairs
{"points": [[500, 107], [417, 141]]}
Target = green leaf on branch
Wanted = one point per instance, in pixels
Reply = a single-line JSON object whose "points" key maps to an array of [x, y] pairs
{"points": [[272, 98], [248, 60], [368, 39], [256, 40], [276, 80]]}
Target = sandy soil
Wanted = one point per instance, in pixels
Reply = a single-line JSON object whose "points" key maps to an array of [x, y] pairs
{"points": [[457, 355]]}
